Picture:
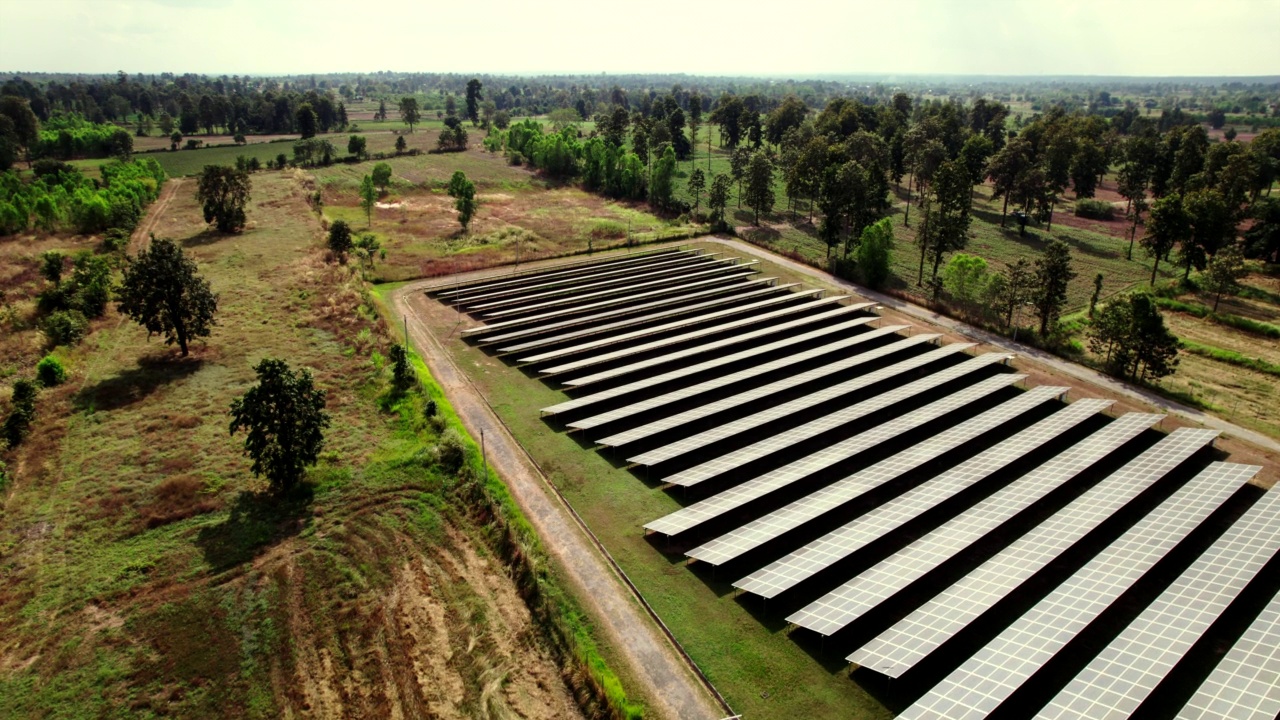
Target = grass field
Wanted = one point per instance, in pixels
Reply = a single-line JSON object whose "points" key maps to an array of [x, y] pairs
{"points": [[749, 658], [418, 225], [145, 575]]}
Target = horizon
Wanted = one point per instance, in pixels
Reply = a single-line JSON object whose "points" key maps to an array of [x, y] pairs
{"points": [[984, 38]]}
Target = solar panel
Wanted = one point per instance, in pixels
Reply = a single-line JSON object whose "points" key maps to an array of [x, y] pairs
{"points": [[766, 329], [689, 517], [1245, 685], [580, 270], [822, 553], [839, 328], [813, 428], [625, 283], [674, 325], [684, 337], [757, 532], [894, 651], [1129, 668], [777, 292], [719, 285], [716, 272], [986, 679], [596, 280], [875, 585], [782, 385]]}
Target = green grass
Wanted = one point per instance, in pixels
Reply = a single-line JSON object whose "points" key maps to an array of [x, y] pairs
{"points": [[1231, 357], [1248, 325]]}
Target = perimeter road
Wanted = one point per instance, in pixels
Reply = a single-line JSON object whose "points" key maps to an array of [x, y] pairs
{"points": [[653, 658]]}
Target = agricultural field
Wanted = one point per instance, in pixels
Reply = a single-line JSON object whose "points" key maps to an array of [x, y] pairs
{"points": [[146, 574], [519, 214]]}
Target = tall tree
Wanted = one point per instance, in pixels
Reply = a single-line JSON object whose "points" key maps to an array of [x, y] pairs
{"points": [[1005, 168], [1053, 276], [760, 195], [718, 199], [1222, 276], [739, 159], [947, 225], [284, 420], [1263, 238], [697, 183], [662, 181], [224, 191], [1212, 226], [1166, 227], [1014, 289], [409, 111], [162, 291], [474, 96], [368, 196], [340, 240]]}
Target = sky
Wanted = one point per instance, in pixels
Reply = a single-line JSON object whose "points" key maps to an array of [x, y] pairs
{"points": [[792, 38]]}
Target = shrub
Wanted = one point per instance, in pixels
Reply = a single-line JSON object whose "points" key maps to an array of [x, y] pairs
{"points": [[608, 229], [451, 452], [23, 412], [50, 372], [64, 327], [1095, 209]]}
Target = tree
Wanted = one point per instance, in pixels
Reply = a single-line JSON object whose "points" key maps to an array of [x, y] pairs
{"points": [[22, 412], [381, 114], [340, 240], [1005, 168], [1212, 225], [367, 246], [718, 199], [306, 118], [381, 176], [663, 179], [697, 183], [946, 227], [875, 253], [965, 277], [51, 262], [1132, 336], [1097, 293], [1012, 290], [368, 196], [23, 126], [224, 191], [284, 420], [474, 96], [1222, 277], [162, 291], [358, 145], [1053, 275], [1167, 225], [1264, 237], [401, 373], [409, 111], [464, 193], [401, 145], [739, 159], [760, 195]]}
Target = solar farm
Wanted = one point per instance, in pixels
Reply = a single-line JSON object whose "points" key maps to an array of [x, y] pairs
{"points": [[962, 541]]}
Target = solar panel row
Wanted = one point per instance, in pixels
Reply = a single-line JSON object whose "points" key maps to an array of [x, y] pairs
{"points": [[987, 678]]}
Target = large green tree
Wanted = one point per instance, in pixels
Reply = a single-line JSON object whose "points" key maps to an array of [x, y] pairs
{"points": [[224, 191], [875, 253], [306, 118], [718, 199], [760, 195], [1053, 276], [697, 183], [163, 291], [463, 191], [409, 111], [283, 419], [1222, 276], [946, 226], [1167, 225]]}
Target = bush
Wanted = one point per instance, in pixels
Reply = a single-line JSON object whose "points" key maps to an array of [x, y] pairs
{"points": [[1095, 209], [23, 412], [64, 327], [50, 372], [451, 452], [608, 229]]}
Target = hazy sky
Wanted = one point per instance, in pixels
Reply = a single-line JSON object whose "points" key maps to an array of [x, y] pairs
{"points": [[708, 37]]}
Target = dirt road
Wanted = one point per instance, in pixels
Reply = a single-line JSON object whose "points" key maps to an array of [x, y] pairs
{"points": [[142, 233], [670, 682]]}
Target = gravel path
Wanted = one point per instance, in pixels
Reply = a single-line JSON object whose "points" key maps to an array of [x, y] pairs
{"points": [[654, 660]]}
